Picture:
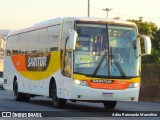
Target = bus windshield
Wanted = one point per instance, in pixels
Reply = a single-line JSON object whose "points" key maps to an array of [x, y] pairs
{"points": [[106, 50]]}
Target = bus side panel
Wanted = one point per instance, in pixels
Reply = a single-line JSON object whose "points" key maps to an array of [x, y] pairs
{"points": [[9, 73]]}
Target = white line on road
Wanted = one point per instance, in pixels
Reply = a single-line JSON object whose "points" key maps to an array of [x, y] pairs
{"points": [[136, 107]]}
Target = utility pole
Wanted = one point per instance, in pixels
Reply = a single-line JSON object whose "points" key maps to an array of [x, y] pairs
{"points": [[107, 10], [140, 19], [88, 8]]}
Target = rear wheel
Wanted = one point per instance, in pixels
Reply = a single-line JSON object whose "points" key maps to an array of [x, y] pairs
{"points": [[57, 102], [19, 96], [110, 104]]}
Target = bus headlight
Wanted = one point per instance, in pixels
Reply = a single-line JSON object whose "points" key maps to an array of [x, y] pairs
{"points": [[81, 82], [134, 85], [77, 82]]}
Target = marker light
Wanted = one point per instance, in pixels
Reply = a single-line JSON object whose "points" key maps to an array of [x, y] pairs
{"points": [[81, 82], [77, 82], [133, 85]]}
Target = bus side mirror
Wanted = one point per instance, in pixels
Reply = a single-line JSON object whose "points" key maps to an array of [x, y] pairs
{"points": [[72, 40], [147, 44]]}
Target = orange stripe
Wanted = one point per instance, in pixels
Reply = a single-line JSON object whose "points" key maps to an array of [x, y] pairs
{"points": [[19, 62], [116, 85]]}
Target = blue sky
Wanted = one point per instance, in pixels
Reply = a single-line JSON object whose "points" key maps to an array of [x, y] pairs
{"points": [[16, 14]]}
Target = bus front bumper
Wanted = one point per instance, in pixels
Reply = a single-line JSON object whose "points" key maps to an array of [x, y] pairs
{"points": [[85, 93]]}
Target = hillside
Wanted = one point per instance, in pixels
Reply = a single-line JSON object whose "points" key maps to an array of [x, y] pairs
{"points": [[3, 33]]}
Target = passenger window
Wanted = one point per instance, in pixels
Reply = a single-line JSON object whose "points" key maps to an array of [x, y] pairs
{"points": [[32, 45], [9, 46], [15, 46], [23, 43], [53, 37], [42, 42]]}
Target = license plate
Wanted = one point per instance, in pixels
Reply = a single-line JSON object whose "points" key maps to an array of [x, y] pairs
{"points": [[107, 94]]}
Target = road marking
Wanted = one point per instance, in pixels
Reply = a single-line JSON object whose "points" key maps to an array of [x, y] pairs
{"points": [[136, 107]]}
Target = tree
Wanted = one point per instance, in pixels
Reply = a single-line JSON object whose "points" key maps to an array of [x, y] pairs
{"points": [[153, 58], [146, 28], [150, 29], [156, 40], [117, 18]]}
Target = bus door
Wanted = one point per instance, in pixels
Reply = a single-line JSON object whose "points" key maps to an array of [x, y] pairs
{"points": [[66, 58]]}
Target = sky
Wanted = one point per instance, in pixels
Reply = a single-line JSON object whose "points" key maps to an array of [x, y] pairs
{"points": [[17, 14]]}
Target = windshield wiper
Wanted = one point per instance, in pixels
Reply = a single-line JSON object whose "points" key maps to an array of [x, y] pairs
{"points": [[99, 64], [116, 63], [118, 66]]}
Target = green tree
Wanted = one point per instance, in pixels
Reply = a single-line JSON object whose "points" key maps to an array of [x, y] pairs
{"points": [[117, 18], [156, 40], [150, 29], [153, 58], [146, 28]]}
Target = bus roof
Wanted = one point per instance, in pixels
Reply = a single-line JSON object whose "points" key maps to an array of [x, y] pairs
{"points": [[96, 19], [57, 21]]}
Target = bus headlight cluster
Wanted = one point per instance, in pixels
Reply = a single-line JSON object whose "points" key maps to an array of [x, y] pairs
{"points": [[81, 82], [134, 85]]}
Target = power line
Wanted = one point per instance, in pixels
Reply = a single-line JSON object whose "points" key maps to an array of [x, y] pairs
{"points": [[132, 15], [95, 7], [124, 14]]}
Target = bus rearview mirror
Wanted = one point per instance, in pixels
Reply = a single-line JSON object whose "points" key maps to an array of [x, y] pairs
{"points": [[72, 40], [147, 44]]}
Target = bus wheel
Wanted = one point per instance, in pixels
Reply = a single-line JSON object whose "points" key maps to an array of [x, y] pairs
{"points": [[110, 104], [19, 96], [57, 102]]}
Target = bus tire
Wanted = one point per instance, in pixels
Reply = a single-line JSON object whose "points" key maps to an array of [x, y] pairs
{"points": [[110, 104], [26, 97], [57, 102], [19, 96]]}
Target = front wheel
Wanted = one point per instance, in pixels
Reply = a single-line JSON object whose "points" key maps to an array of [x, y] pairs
{"points": [[57, 102], [110, 104], [19, 96]]}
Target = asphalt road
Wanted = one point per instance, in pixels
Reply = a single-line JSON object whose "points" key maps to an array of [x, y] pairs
{"points": [[77, 109]]}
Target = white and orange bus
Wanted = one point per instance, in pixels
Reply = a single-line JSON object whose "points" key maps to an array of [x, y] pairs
{"points": [[77, 59]]}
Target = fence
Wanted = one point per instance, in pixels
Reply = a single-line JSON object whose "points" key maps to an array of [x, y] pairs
{"points": [[150, 84]]}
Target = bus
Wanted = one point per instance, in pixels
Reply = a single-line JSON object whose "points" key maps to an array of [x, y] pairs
{"points": [[77, 59]]}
